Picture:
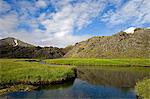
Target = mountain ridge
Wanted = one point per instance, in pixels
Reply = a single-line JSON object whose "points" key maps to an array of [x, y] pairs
{"points": [[120, 45]]}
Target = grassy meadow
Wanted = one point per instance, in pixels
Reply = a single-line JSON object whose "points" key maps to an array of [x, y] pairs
{"points": [[16, 70], [99, 62]]}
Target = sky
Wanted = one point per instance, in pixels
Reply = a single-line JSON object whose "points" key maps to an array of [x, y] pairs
{"points": [[65, 22]]}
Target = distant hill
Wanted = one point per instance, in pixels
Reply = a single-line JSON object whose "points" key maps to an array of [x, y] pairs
{"points": [[120, 45], [14, 48], [14, 42]]}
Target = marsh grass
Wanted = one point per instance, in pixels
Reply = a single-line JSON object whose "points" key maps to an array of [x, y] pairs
{"points": [[16, 88], [143, 89], [100, 62], [13, 71]]}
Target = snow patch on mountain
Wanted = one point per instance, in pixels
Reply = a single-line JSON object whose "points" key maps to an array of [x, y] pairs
{"points": [[130, 30], [16, 42]]}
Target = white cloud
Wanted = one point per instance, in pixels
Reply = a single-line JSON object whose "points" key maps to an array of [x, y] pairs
{"points": [[86, 11], [62, 24], [59, 25], [9, 22], [41, 3], [134, 12], [63, 41], [115, 3], [68, 17], [4, 6]]}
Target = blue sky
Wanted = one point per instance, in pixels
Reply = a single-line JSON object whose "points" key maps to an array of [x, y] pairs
{"points": [[65, 22]]}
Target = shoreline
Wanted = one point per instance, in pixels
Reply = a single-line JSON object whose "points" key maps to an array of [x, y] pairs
{"points": [[17, 73], [29, 86]]}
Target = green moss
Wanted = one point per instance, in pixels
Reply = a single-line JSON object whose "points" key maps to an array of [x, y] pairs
{"points": [[143, 89]]}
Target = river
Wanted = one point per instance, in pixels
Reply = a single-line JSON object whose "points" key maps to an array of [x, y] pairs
{"points": [[91, 83]]}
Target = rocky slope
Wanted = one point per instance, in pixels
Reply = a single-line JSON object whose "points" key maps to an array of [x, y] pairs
{"points": [[120, 45], [14, 48]]}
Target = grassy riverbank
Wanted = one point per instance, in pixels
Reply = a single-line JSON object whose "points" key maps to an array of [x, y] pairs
{"points": [[100, 62], [13, 71], [143, 89], [15, 88]]}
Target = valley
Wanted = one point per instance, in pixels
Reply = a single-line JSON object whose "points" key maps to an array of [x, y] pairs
{"points": [[119, 63]]}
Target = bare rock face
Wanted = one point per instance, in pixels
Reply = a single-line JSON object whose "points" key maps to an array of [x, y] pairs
{"points": [[120, 45]]}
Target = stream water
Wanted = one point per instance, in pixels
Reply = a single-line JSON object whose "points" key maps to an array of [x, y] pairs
{"points": [[90, 83]]}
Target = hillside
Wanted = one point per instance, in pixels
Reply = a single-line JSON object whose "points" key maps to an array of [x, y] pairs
{"points": [[14, 42], [14, 48], [120, 45]]}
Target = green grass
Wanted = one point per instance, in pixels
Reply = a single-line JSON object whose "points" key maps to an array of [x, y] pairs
{"points": [[12, 71], [99, 62], [116, 68], [143, 89]]}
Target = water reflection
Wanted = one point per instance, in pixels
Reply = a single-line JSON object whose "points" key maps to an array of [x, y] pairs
{"points": [[79, 89], [121, 79], [91, 83]]}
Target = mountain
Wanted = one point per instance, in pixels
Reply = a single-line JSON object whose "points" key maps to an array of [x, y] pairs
{"points": [[120, 45], [14, 42], [14, 48]]}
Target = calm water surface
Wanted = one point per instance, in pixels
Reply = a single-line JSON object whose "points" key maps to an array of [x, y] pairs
{"points": [[91, 83]]}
